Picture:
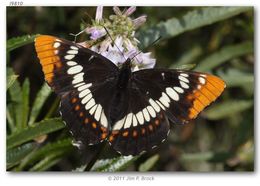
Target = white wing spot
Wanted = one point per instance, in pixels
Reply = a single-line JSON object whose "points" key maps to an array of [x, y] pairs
{"points": [[184, 85], [140, 117], [74, 48], [178, 89], [128, 120], [119, 124], [134, 120], [78, 78], [184, 79], [69, 57], [98, 112], [103, 119], [72, 52], [90, 104], [75, 69], [86, 98], [93, 109], [154, 105], [202, 80], [56, 45], [151, 111], [163, 75], [160, 105], [172, 93], [184, 75], [84, 93], [146, 115], [71, 63], [85, 86], [164, 99], [91, 57]]}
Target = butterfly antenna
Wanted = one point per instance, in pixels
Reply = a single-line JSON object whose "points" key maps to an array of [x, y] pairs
{"points": [[114, 42], [76, 35], [151, 44]]}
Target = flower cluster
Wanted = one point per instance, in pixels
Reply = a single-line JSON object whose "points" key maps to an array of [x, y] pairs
{"points": [[121, 28]]}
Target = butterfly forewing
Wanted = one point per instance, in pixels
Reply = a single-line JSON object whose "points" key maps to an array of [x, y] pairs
{"points": [[80, 76]]}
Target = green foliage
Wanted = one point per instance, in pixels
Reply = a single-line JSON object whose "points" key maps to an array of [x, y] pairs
{"points": [[19, 42], [149, 164], [113, 165], [222, 137], [224, 55], [194, 19], [34, 131]]}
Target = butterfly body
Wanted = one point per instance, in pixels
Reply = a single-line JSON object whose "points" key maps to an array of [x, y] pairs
{"points": [[129, 109]]}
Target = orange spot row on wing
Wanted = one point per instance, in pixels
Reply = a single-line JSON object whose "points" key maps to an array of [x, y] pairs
{"points": [[205, 94]]}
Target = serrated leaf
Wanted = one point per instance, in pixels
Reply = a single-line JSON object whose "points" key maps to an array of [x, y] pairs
{"points": [[112, 165], [17, 42], [15, 155], [227, 108], [225, 54], [193, 19], [40, 99], [47, 149], [38, 129], [149, 163]]}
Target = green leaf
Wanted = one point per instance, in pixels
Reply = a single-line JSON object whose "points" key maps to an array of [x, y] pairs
{"points": [[38, 129], [206, 156], [49, 160], [17, 42], [149, 163], [40, 99], [227, 108], [234, 78], [225, 54], [15, 155], [186, 67], [47, 149], [25, 102], [188, 57], [193, 19], [11, 77], [15, 93], [112, 165]]}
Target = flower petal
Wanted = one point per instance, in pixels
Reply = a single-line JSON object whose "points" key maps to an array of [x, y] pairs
{"points": [[117, 10], [139, 21], [130, 10], [99, 13]]}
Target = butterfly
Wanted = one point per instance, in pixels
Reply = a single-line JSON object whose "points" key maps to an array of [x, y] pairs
{"points": [[131, 110]]}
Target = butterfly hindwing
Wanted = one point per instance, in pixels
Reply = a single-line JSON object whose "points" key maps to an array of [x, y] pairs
{"points": [[153, 97], [181, 94], [136, 130], [80, 76]]}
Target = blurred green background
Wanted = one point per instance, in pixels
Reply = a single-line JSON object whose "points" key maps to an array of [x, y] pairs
{"points": [[218, 40]]}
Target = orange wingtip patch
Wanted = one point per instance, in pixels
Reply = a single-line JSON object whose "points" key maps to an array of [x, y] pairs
{"points": [[205, 94], [47, 54]]}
